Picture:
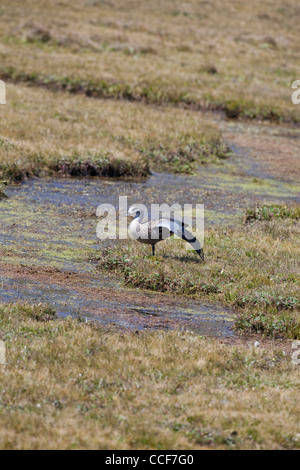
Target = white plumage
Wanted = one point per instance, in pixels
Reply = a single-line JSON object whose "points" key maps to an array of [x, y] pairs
{"points": [[155, 230]]}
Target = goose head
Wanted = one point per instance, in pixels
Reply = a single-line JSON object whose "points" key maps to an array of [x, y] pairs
{"points": [[138, 211], [134, 211]]}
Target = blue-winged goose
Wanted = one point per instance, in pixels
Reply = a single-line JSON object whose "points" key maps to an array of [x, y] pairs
{"points": [[156, 230]]}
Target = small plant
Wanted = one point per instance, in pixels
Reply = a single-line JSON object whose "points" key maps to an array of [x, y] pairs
{"points": [[270, 212]]}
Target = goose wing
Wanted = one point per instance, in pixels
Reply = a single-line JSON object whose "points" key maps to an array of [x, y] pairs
{"points": [[172, 225], [180, 222], [164, 228]]}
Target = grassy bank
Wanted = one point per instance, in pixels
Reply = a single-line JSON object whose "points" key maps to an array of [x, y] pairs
{"points": [[253, 267], [153, 93], [46, 132], [71, 385], [228, 56]]}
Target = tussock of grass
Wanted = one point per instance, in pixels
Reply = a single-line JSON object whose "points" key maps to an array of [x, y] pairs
{"points": [[244, 108], [95, 165], [71, 385], [254, 266]]}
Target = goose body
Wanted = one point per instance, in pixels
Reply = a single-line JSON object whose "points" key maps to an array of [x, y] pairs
{"points": [[156, 230]]}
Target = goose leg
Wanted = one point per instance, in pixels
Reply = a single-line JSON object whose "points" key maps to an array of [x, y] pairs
{"points": [[153, 250]]}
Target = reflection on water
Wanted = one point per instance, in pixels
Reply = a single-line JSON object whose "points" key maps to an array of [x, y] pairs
{"points": [[131, 314]]}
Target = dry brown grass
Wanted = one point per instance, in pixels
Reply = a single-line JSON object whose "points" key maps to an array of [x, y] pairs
{"points": [[70, 385], [231, 54], [46, 130]]}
